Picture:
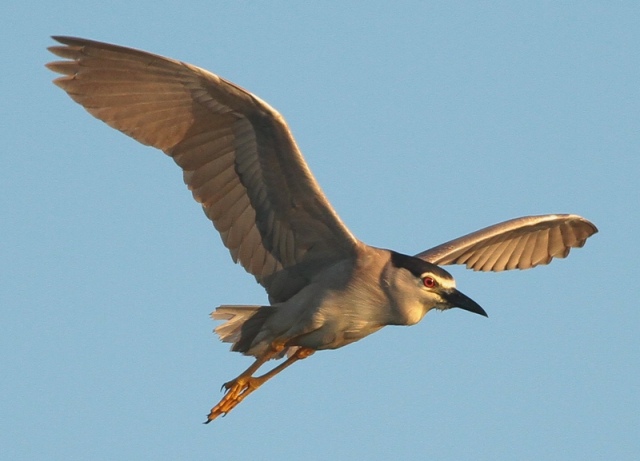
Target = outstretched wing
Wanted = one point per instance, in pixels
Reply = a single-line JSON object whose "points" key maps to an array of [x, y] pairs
{"points": [[520, 243], [237, 153]]}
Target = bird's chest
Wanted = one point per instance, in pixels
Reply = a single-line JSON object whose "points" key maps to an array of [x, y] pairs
{"points": [[342, 319]]}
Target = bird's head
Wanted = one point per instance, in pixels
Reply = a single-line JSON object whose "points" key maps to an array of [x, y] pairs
{"points": [[417, 286]]}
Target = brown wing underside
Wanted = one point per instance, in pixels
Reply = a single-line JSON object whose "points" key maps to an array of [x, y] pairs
{"points": [[238, 156]]}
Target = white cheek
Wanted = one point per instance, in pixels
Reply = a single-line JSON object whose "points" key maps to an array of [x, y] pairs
{"points": [[415, 314]]}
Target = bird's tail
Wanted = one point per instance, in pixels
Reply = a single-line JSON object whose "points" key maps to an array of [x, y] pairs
{"points": [[231, 331], [243, 323]]}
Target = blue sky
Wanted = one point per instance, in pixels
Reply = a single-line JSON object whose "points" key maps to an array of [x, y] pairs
{"points": [[422, 121]]}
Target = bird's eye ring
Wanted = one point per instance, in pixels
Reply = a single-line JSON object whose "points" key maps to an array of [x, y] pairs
{"points": [[429, 282]]}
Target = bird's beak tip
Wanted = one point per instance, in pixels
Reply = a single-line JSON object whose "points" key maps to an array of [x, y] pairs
{"points": [[476, 309], [462, 301]]}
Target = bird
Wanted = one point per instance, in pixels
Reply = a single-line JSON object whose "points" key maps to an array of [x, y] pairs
{"points": [[326, 288]]}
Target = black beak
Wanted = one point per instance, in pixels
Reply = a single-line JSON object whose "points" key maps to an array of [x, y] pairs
{"points": [[457, 299]]}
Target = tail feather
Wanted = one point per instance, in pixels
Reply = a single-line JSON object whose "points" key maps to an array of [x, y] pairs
{"points": [[235, 316], [243, 323]]}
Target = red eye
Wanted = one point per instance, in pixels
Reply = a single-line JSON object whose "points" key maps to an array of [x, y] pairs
{"points": [[429, 282]]}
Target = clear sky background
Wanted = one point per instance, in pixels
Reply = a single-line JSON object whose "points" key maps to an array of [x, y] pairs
{"points": [[422, 121]]}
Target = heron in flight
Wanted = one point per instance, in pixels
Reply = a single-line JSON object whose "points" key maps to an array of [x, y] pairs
{"points": [[326, 288]]}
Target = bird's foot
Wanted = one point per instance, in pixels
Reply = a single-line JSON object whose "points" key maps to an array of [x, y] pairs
{"points": [[236, 391]]}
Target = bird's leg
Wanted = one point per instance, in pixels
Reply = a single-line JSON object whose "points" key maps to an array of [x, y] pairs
{"points": [[301, 353], [254, 382], [245, 384], [236, 387]]}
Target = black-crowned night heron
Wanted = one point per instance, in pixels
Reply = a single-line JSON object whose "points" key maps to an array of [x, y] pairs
{"points": [[326, 288]]}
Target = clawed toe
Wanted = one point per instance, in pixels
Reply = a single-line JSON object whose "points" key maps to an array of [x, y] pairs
{"points": [[236, 391], [228, 385]]}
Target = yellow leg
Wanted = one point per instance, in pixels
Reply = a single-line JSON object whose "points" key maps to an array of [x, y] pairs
{"points": [[238, 389]]}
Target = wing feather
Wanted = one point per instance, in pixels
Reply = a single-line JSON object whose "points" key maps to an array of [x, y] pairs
{"points": [[525, 258], [496, 253], [503, 260], [541, 253], [556, 246], [238, 156], [520, 243]]}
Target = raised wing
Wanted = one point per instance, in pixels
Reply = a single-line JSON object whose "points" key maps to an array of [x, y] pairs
{"points": [[520, 243], [237, 153]]}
